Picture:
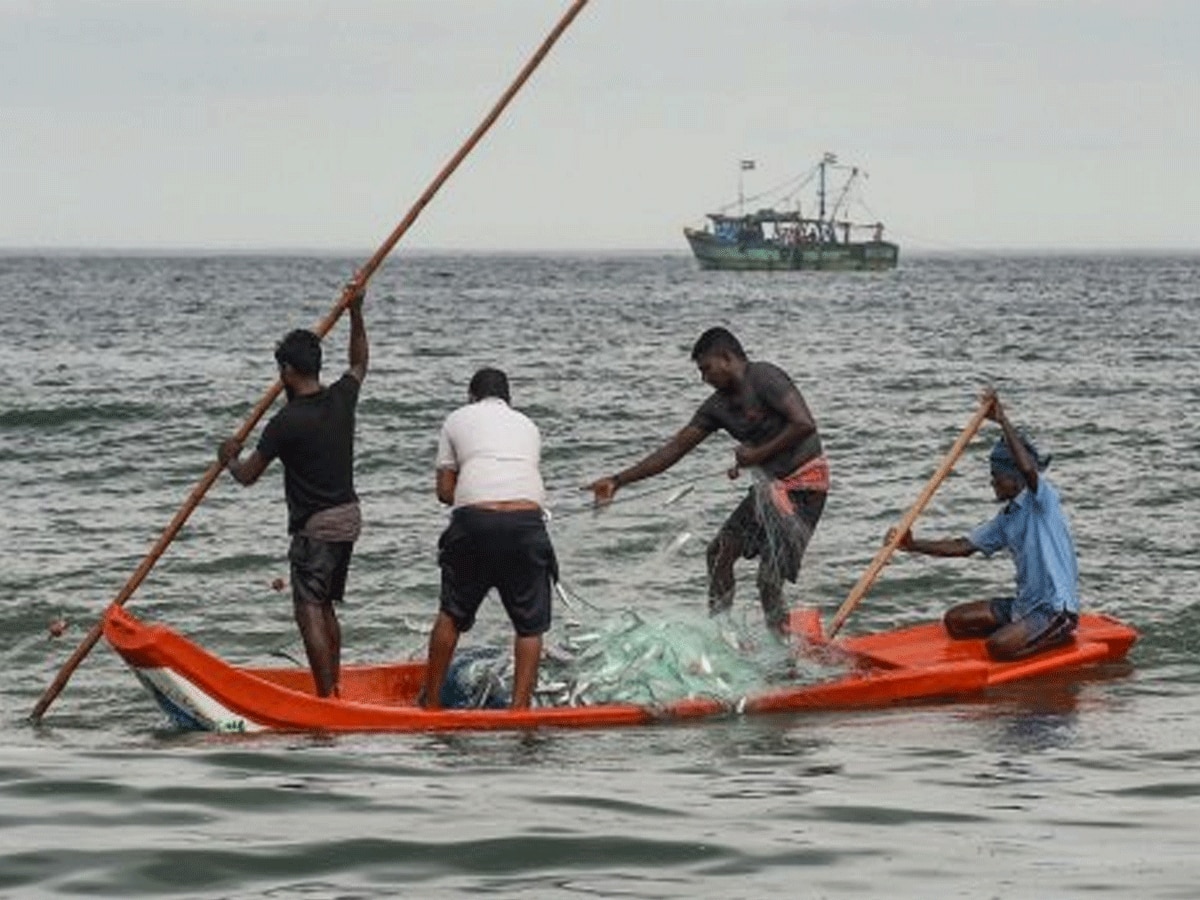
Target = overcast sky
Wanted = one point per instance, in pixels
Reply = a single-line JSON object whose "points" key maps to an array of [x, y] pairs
{"points": [[1003, 124]]}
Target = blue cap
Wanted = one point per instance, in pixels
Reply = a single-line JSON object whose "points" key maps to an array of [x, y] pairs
{"points": [[1003, 462]]}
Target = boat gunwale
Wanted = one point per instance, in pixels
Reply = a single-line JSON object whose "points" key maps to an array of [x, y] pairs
{"points": [[874, 681]]}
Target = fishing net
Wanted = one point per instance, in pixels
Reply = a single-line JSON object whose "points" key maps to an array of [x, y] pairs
{"points": [[653, 659], [772, 526], [786, 531], [644, 660]]}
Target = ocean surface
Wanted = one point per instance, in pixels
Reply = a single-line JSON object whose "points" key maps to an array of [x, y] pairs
{"points": [[123, 373]]}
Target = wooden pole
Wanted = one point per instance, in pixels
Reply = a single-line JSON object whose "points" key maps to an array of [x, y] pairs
{"points": [[358, 282], [885, 552]]}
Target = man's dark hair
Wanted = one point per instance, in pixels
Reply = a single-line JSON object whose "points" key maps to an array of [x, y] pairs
{"points": [[489, 383], [717, 340], [300, 349]]}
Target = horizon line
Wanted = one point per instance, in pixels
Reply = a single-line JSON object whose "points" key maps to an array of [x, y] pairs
{"points": [[277, 250]]}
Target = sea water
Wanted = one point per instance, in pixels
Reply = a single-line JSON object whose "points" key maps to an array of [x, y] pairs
{"points": [[122, 374]]}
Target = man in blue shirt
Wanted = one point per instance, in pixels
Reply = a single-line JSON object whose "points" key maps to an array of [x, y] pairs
{"points": [[1034, 530]]}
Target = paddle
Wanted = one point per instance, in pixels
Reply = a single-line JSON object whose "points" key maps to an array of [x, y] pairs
{"points": [[886, 551], [357, 283]]}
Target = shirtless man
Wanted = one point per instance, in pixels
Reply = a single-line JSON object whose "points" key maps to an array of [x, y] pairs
{"points": [[759, 406]]}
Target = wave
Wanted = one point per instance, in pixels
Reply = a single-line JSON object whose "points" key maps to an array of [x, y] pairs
{"points": [[49, 417]]}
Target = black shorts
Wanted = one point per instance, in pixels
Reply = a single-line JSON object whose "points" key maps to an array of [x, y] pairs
{"points": [[318, 569], [507, 550]]}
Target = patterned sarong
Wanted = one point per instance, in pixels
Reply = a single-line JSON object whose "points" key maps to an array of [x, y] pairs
{"points": [[812, 476]]}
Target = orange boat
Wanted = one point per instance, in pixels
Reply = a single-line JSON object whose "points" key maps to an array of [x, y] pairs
{"points": [[200, 691]]}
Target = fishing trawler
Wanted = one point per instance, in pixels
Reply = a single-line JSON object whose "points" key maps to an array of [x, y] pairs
{"points": [[782, 236]]}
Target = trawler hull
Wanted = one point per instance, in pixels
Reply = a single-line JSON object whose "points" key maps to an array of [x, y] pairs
{"points": [[713, 252]]}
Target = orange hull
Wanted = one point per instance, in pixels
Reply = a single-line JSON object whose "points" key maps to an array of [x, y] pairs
{"points": [[200, 690]]}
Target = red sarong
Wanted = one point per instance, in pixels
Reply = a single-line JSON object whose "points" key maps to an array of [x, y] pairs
{"points": [[812, 476]]}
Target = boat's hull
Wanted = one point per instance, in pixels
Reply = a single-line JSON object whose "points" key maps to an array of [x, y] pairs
{"points": [[714, 252], [198, 690]]}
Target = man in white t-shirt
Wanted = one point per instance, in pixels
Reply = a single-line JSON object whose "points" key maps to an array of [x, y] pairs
{"points": [[487, 469]]}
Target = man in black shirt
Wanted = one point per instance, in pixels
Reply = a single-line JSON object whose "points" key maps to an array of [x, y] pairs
{"points": [[313, 436], [759, 406]]}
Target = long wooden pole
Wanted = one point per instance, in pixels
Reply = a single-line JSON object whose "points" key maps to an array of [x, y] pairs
{"points": [[885, 552], [357, 283]]}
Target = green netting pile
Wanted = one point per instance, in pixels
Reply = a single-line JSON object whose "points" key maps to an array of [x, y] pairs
{"points": [[635, 659]]}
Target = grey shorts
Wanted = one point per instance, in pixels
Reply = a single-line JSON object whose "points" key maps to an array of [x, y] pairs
{"points": [[319, 569]]}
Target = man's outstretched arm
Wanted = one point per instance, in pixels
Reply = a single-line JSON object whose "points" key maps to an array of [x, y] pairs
{"points": [[680, 445], [933, 547]]}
